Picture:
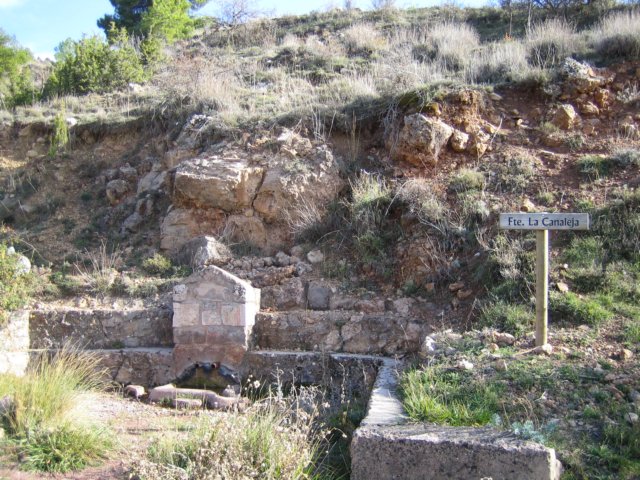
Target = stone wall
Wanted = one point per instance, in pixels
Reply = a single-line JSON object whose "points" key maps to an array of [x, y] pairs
{"points": [[213, 316], [14, 343], [340, 331], [98, 329]]}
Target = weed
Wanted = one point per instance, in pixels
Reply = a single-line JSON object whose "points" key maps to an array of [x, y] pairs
{"points": [[102, 272], [571, 308], [435, 394], [575, 142], [63, 448], [626, 158], [507, 317], [515, 174], [549, 43], [594, 166]]}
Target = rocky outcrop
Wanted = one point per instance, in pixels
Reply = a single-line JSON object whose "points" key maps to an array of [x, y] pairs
{"points": [[422, 139]]}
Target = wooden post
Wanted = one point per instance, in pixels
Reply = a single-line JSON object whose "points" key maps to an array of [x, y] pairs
{"points": [[542, 286]]}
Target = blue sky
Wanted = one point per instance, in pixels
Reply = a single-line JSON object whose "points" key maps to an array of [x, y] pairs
{"points": [[41, 25]]}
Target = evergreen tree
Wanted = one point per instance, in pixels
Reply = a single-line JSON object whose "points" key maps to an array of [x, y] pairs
{"points": [[15, 77], [129, 14]]}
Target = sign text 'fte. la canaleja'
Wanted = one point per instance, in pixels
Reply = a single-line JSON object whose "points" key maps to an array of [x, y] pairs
{"points": [[544, 221]]}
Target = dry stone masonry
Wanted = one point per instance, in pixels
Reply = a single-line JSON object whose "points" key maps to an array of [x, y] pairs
{"points": [[14, 343]]}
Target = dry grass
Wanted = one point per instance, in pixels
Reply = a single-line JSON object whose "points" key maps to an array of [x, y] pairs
{"points": [[363, 38], [618, 35], [549, 43]]}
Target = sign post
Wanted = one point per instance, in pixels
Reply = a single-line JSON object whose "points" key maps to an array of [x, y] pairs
{"points": [[542, 223]]}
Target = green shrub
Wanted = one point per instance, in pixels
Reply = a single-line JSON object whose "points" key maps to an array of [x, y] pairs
{"points": [[626, 158], [584, 252], [617, 224], [571, 308], [15, 287], [447, 397], [16, 85], [549, 43], [157, 265], [60, 135], [515, 174], [92, 65], [594, 166], [466, 179], [507, 317]]}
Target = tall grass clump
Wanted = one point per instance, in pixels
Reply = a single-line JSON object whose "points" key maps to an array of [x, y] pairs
{"points": [[450, 44], [101, 273], [499, 62], [43, 429], [270, 441], [439, 395], [363, 39], [618, 36], [45, 396], [550, 42]]}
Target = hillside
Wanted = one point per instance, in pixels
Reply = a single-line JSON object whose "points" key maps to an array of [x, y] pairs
{"points": [[355, 163]]}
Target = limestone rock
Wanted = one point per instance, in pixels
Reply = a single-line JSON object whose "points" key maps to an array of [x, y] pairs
{"points": [[459, 141], [152, 181], [288, 295], [216, 182], [422, 139], [565, 117], [135, 391], [116, 190], [182, 224], [202, 251], [315, 257], [247, 230], [589, 109]]}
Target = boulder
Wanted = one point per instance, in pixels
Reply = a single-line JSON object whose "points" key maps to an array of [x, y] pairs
{"points": [[422, 139], [202, 251], [565, 117], [459, 141], [217, 182], [246, 230]]}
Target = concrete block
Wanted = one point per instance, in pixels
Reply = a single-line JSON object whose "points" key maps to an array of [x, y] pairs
{"points": [[408, 452]]}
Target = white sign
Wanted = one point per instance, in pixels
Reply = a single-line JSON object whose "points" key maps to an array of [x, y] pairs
{"points": [[544, 221]]}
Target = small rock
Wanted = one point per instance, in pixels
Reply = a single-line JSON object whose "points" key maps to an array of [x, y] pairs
{"points": [[282, 259], [187, 403], [135, 391], [562, 287], [635, 396], [454, 287], [459, 141], [6, 405], [430, 287], [623, 355], [315, 257], [297, 251], [503, 339], [527, 206], [631, 417], [464, 365], [464, 294], [589, 109], [429, 347], [493, 347], [229, 392], [500, 365], [545, 349]]}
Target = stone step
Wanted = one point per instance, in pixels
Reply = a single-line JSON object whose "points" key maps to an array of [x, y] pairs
{"points": [[101, 328], [348, 331]]}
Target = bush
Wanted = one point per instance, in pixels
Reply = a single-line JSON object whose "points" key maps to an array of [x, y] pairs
{"points": [[92, 65], [15, 286], [157, 265], [593, 166], [515, 173], [466, 179], [626, 158], [60, 135], [499, 62], [16, 85], [618, 36], [617, 224], [363, 39]]}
